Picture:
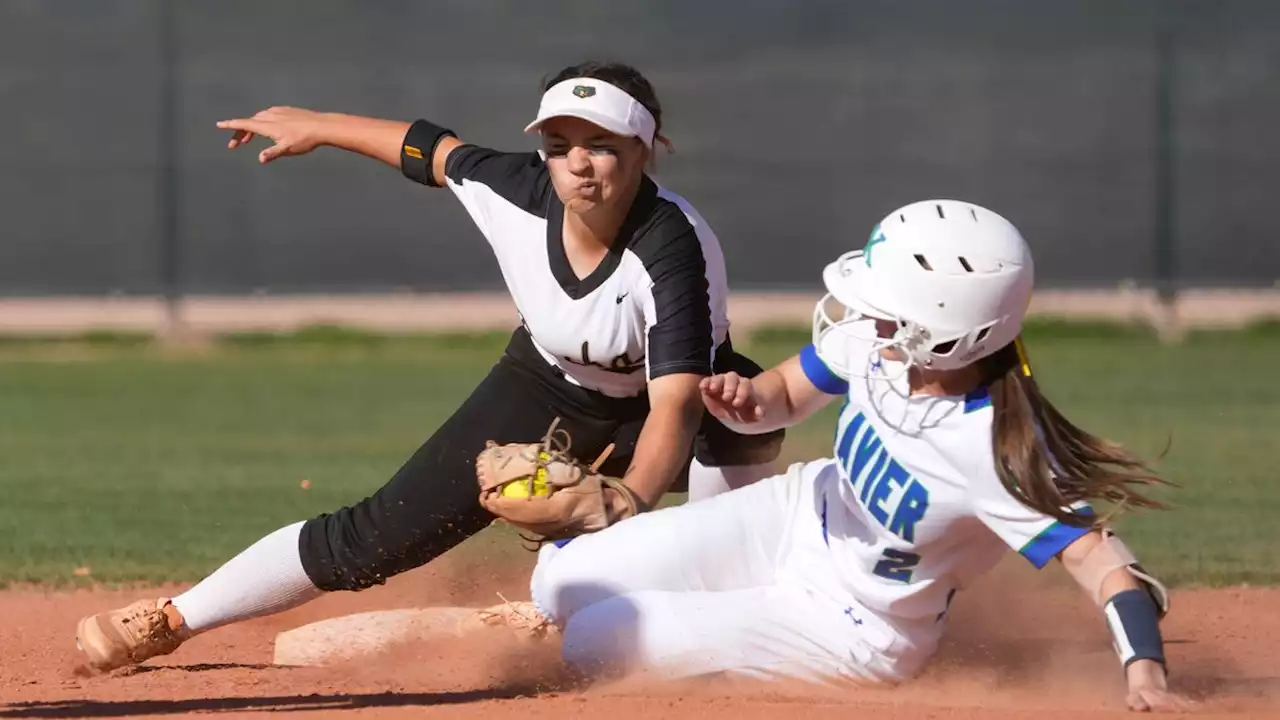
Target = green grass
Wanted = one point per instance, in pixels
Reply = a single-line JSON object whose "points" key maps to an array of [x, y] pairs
{"points": [[145, 465]]}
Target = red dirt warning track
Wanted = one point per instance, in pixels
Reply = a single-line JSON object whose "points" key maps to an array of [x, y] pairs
{"points": [[1020, 645]]}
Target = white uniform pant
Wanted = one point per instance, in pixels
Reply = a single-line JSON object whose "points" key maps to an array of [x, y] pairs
{"points": [[739, 584]]}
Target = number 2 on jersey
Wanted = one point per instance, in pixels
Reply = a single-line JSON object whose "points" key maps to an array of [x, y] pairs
{"points": [[897, 565]]}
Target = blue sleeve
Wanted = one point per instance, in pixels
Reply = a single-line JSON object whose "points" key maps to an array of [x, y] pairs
{"points": [[819, 374], [1053, 540]]}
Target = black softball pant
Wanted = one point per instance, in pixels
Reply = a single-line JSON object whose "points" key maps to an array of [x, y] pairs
{"points": [[432, 503]]}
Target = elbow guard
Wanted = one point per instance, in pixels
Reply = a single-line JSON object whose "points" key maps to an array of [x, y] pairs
{"points": [[1110, 555], [418, 151]]}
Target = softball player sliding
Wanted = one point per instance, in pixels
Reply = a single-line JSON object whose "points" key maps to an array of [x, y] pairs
{"points": [[946, 454]]}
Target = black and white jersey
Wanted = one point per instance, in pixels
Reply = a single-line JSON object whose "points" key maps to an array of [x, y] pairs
{"points": [[657, 303]]}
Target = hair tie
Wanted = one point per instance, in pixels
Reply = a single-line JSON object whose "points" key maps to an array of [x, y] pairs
{"points": [[1022, 356]]}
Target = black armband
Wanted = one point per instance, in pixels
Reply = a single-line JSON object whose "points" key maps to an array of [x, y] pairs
{"points": [[1135, 626], [418, 150]]}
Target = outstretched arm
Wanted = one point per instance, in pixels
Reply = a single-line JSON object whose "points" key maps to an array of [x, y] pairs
{"points": [[779, 397], [1102, 566], [296, 131]]}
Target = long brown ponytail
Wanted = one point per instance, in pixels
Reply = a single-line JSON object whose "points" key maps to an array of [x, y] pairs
{"points": [[1060, 464]]}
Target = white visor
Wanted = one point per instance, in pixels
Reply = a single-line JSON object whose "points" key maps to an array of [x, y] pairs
{"points": [[596, 102]]}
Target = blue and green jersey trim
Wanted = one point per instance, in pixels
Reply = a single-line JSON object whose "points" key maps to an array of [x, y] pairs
{"points": [[1054, 539]]}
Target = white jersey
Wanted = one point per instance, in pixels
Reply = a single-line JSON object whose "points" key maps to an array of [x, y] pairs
{"points": [[916, 510], [839, 568], [657, 304]]}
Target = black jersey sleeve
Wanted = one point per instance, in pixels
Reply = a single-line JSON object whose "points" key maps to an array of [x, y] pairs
{"points": [[519, 179], [678, 308]]}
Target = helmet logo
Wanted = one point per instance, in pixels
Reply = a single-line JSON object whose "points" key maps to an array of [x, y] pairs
{"points": [[877, 237], [584, 91]]}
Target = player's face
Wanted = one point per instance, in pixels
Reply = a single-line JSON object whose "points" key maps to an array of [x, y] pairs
{"points": [[590, 167], [885, 329]]}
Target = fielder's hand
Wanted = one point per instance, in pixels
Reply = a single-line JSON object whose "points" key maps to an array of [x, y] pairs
{"points": [[294, 130], [729, 397]]}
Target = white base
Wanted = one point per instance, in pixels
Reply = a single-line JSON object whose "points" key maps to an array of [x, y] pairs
{"points": [[349, 637]]}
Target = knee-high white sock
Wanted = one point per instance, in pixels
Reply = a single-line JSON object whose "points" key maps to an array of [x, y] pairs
{"points": [[705, 482], [266, 578]]}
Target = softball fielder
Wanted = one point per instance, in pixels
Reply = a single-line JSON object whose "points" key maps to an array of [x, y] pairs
{"points": [[622, 294], [946, 455]]}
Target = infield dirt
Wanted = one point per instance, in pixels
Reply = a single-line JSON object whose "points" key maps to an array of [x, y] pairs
{"points": [[1019, 645]]}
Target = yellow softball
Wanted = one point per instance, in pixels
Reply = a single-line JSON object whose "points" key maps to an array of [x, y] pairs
{"points": [[520, 488]]}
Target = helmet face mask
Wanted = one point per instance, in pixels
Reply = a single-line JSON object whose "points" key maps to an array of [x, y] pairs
{"points": [[853, 343], [954, 278]]}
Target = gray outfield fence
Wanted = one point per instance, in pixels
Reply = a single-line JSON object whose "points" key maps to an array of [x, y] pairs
{"points": [[1130, 139]]}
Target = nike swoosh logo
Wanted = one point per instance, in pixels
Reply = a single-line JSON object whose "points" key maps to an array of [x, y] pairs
{"points": [[622, 296]]}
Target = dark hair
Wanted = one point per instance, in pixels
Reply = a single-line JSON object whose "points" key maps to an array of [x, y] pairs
{"points": [[1048, 463], [621, 76]]}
